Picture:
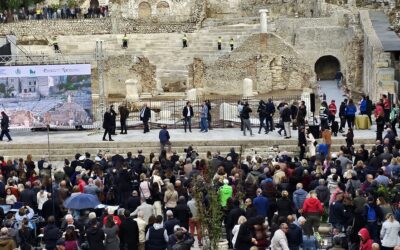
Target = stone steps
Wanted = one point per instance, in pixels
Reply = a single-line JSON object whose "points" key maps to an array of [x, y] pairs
{"points": [[160, 48], [60, 151]]}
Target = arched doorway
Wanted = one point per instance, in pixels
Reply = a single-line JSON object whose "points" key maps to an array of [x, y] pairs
{"points": [[144, 10], [163, 9], [326, 67]]}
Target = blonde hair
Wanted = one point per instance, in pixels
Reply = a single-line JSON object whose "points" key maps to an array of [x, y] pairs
{"points": [[170, 188], [390, 217], [242, 220], [285, 193]]}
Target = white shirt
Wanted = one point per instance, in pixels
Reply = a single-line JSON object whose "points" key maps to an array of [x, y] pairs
{"points": [[279, 241], [41, 199], [11, 199], [188, 111]]}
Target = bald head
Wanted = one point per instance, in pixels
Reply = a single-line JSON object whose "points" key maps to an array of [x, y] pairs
{"points": [[375, 246]]}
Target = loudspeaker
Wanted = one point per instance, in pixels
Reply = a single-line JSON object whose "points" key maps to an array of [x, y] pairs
{"points": [[312, 102], [314, 129]]}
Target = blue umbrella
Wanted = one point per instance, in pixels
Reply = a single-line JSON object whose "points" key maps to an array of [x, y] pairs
{"points": [[81, 201]]}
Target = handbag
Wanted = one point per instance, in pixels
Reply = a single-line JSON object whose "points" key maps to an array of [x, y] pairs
{"points": [[350, 229]]}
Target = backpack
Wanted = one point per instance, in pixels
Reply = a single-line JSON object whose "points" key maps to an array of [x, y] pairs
{"points": [[371, 215]]}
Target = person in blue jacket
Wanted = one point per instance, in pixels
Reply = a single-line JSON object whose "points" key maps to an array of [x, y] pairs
{"points": [[363, 105], [351, 110]]}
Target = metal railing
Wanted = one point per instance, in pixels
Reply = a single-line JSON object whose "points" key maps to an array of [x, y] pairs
{"points": [[224, 112]]}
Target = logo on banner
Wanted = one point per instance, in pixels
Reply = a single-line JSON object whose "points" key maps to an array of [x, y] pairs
{"points": [[32, 72], [18, 71]]}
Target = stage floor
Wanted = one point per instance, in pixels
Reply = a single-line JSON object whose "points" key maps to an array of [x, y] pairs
{"points": [[177, 135]]}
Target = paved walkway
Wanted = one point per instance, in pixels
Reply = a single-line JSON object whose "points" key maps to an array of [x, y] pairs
{"points": [[332, 92], [227, 134]]}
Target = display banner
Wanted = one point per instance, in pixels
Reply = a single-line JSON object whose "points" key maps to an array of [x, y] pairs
{"points": [[40, 95]]}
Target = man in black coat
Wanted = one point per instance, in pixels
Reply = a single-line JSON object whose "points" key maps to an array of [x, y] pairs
{"points": [[123, 116], [187, 115], [133, 201], [145, 115], [5, 123], [27, 196], [302, 142], [270, 111], [114, 119], [232, 220], [182, 212], [51, 234], [108, 123], [129, 232]]}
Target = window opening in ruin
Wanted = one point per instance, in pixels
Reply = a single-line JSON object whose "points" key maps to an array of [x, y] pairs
{"points": [[326, 67], [144, 10]]}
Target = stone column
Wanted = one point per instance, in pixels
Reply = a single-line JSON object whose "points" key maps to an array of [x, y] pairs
{"points": [[263, 20], [247, 89], [132, 90]]}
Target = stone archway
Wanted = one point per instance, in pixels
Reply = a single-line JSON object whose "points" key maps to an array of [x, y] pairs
{"points": [[326, 67], [144, 10], [162, 9]]}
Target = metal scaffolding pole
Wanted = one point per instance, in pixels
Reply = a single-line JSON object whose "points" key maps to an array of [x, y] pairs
{"points": [[100, 72]]}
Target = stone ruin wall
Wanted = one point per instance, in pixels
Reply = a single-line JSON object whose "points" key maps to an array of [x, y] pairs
{"points": [[234, 8], [165, 16], [273, 66], [338, 35], [91, 27]]}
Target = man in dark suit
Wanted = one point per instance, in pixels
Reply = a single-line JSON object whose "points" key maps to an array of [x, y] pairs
{"points": [[145, 115], [108, 123], [129, 232], [123, 116], [114, 119], [187, 115]]}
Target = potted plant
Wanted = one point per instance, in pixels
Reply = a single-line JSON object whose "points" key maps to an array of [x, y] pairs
{"points": [[210, 212]]}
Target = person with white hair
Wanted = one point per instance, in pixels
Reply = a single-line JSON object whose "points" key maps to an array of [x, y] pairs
{"points": [[142, 230], [299, 196], [171, 222], [235, 229], [279, 240], [91, 188]]}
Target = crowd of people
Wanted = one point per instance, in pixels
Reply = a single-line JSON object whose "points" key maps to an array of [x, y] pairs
{"points": [[52, 12], [276, 202]]}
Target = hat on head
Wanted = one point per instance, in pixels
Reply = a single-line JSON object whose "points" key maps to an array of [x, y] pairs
{"points": [[82, 158], [176, 228], [226, 181], [97, 158], [370, 199]]}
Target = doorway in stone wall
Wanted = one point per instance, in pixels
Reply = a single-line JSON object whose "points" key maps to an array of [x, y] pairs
{"points": [[326, 67]]}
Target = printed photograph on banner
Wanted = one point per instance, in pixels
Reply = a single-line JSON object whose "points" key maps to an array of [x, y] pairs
{"points": [[58, 95]]}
